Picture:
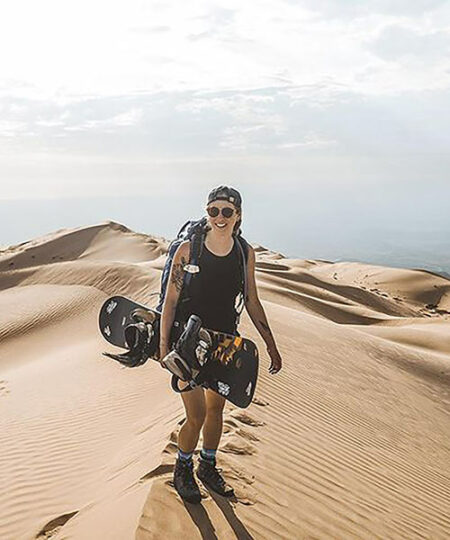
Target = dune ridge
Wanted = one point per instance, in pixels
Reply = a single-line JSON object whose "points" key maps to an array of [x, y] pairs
{"points": [[349, 440]]}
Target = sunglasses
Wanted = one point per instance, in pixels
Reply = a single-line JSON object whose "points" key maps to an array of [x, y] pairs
{"points": [[213, 211]]}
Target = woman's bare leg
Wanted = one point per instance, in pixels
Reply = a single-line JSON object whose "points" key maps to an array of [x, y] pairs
{"points": [[213, 425], [212, 431], [194, 404]]}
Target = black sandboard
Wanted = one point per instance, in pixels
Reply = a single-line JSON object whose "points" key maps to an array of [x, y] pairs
{"points": [[233, 376], [115, 315], [232, 367]]}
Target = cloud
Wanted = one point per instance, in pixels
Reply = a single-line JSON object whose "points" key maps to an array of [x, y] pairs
{"points": [[201, 35], [254, 122], [155, 29], [397, 42], [356, 8], [218, 17], [125, 119], [251, 135], [49, 123], [322, 94], [238, 104], [146, 47], [301, 85], [10, 128], [209, 125], [311, 140]]}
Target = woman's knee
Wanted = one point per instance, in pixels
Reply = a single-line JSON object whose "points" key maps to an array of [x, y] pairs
{"points": [[214, 404], [195, 407], [196, 419], [214, 411]]}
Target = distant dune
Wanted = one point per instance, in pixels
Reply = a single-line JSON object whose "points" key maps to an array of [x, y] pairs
{"points": [[349, 440]]}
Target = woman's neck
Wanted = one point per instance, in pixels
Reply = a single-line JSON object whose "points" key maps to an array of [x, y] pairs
{"points": [[220, 244]]}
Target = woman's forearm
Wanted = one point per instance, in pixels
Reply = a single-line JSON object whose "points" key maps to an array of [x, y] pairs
{"points": [[167, 319], [259, 319]]}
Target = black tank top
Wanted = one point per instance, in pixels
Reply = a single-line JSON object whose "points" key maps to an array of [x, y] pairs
{"points": [[213, 290]]}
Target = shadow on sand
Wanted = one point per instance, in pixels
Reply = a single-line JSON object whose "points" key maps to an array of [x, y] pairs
{"points": [[203, 523]]}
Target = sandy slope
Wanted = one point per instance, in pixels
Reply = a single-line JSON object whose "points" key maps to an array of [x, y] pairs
{"points": [[350, 440]]}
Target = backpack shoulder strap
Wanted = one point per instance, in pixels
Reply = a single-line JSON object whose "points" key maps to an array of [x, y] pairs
{"points": [[244, 248], [196, 235]]}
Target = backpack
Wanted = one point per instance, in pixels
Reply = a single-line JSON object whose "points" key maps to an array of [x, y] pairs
{"points": [[195, 232]]}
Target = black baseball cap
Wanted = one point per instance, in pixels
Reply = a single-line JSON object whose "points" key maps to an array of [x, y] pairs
{"points": [[225, 193]]}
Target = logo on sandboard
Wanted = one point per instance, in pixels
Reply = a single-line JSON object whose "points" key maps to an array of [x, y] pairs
{"points": [[223, 388], [111, 307]]}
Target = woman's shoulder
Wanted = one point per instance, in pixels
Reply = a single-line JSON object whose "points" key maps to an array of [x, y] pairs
{"points": [[248, 248], [183, 250], [251, 254]]}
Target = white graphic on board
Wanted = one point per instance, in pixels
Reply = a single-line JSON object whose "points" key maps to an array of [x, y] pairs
{"points": [[223, 388], [111, 307]]}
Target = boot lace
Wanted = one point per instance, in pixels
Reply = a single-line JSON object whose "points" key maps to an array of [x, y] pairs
{"points": [[214, 475], [187, 474]]}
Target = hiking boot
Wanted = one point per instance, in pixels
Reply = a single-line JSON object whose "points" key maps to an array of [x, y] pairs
{"points": [[184, 481], [211, 477]]}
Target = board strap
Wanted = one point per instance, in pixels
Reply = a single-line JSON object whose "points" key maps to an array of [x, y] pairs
{"points": [[174, 383]]}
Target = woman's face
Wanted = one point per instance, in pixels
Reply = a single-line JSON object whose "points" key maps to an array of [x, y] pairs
{"points": [[220, 223]]}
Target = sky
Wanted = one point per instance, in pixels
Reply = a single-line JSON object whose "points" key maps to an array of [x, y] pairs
{"points": [[331, 117]]}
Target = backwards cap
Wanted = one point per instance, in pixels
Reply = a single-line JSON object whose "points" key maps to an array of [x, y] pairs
{"points": [[225, 193]]}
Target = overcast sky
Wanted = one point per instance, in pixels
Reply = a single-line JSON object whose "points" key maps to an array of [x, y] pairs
{"points": [[305, 102]]}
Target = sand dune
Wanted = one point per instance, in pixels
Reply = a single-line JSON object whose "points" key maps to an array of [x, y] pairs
{"points": [[349, 440]]}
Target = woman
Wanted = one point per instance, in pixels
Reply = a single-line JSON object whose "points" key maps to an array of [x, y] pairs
{"points": [[212, 298]]}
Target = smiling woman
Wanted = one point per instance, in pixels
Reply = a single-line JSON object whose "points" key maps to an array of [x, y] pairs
{"points": [[212, 297], [224, 215]]}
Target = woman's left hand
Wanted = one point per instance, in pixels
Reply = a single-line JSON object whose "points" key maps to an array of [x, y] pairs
{"points": [[275, 364]]}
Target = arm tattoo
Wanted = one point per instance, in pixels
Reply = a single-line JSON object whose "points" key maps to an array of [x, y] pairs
{"points": [[178, 274]]}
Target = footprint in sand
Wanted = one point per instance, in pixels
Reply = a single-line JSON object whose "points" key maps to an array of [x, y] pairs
{"points": [[242, 483], [54, 526], [4, 390], [246, 419], [238, 446], [247, 435], [161, 470], [260, 402], [231, 427], [237, 441]]}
